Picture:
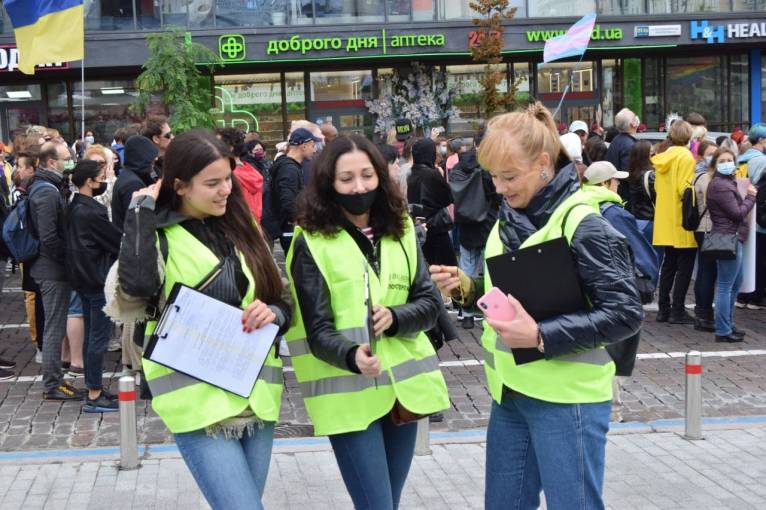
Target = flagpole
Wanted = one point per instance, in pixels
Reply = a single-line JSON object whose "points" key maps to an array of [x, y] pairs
{"points": [[82, 87], [566, 90]]}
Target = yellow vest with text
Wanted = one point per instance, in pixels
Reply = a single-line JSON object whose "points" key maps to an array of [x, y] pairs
{"points": [[580, 378], [183, 402], [340, 401]]}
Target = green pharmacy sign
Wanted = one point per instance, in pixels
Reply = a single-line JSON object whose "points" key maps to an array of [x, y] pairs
{"points": [[231, 48]]}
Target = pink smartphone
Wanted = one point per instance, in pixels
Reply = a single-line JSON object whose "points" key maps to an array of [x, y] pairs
{"points": [[496, 306]]}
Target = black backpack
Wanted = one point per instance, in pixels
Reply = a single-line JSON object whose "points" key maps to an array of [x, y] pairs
{"points": [[760, 203], [690, 214]]}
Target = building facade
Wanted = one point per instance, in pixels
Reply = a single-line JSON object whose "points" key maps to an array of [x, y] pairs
{"points": [[319, 59]]}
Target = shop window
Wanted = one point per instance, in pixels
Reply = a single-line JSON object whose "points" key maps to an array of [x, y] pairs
{"points": [[249, 13], [681, 6], [296, 98], [339, 97], [763, 88], [523, 82], [106, 107], [20, 106], [559, 8], [58, 114], [653, 107], [609, 88], [349, 11], [621, 7], [148, 14], [251, 102], [749, 5], [739, 93], [631, 86], [552, 79], [695, 84], [461, 9], [398, 10], [108, 15], [466, 80]]}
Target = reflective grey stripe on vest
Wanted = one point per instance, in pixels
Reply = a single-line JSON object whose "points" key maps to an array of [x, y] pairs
{"points": [[414, 367], [271, 375], [591, 357], [341, 384], [489, 359], [353, 383], [170, 382], [175, 381], [300, 346]]}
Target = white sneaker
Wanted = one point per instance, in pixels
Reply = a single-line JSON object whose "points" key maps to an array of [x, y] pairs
{"points": [[652, 307], [39, 357], [115, 344]]}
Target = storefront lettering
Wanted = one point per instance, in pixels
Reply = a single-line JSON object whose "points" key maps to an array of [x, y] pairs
{"points": [[476, 37], [598, 34], [352, 44], [717, 34], [9, 60]]}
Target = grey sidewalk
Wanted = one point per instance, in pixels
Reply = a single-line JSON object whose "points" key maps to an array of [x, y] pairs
{"points": [[644, 471]]}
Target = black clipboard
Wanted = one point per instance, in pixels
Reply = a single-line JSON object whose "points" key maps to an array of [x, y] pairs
{"points": [[544, 279]]}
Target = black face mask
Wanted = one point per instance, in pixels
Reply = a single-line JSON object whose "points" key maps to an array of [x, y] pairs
{"points": [[100, 190], [358, 203]]}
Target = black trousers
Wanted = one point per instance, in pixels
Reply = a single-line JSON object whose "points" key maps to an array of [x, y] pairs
{"points": [[760, 271], [675, 274]]}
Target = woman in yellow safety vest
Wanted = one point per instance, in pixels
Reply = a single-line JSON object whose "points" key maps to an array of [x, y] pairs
{"points": [[365, 368], [549, 418], [196, 225]]}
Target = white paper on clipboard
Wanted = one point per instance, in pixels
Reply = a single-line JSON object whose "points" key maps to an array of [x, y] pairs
{"points": [[202, 337]]}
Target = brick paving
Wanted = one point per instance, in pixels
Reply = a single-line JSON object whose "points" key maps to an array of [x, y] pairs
{"points": [[732, 386], [644, 471]]}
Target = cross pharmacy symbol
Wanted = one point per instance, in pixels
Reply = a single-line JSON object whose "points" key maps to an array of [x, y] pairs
{"points": [[231, 47]]}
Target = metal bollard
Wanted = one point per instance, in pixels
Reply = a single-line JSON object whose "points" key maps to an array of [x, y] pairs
{"points": [[128, 441], [422, 446], [693, 369]]}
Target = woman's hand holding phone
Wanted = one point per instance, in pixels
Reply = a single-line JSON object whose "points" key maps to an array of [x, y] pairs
{"points": [[520, 331]]}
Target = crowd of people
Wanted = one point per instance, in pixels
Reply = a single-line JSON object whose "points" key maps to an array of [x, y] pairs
{"points": [[380, 240]]}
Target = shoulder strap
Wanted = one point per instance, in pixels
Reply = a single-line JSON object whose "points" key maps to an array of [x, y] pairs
{"points": [[566, 217], [646, 184], [163, 239]]}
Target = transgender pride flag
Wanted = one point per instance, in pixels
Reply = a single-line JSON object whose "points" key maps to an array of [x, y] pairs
{"points": [[571, 44]]}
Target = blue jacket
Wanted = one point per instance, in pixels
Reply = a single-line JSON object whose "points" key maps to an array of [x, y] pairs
{"points": [[625, 223], [756, 170]]}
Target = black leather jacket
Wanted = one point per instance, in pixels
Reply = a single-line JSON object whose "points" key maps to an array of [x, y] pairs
{"points": [[326, 343], [606, 270]]}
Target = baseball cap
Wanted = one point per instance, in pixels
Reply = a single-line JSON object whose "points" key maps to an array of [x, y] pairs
{"points": [[602, 171], [301, 136], [403, 129], [578, 125]]}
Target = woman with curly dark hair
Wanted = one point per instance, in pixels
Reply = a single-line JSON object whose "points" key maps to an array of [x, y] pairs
{"points": [[366, 369]]}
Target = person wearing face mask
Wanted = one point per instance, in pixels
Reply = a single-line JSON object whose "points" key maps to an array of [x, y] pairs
{"points": [[47, 199], [549, 419], [92, 244], [366, 370], [707, 269], [255, 154], [199, 210], [728, 215]]}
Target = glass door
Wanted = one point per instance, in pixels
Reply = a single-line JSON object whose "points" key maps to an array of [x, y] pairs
{"points": [[339, 97], [581, 101]]}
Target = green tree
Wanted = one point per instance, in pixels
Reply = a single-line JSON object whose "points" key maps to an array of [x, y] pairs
{"points": [[487, 48], [174, 72]]}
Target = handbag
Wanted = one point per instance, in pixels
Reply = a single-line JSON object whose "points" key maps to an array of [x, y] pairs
{"points": [[400, 415], [720, 246]]}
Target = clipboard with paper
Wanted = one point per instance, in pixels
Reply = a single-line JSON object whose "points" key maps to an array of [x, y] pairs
{"points": [[202, 337]]}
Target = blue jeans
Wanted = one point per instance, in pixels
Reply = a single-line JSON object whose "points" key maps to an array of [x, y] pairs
{"points": [[471, 261], [231, 473], [729, 282], [534, 445], [98, 328], [374, 463]]}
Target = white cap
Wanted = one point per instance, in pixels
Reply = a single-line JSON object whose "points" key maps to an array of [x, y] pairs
{"points": [[602, 171], [578, 125], [573, 146]]}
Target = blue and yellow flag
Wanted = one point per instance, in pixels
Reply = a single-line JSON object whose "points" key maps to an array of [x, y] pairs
{"points": [[47, 31]]}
